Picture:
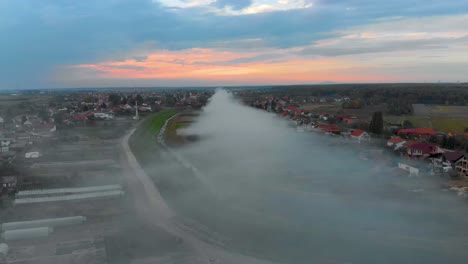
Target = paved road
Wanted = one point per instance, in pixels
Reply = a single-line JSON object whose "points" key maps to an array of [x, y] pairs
{"points": [[153, 210]]}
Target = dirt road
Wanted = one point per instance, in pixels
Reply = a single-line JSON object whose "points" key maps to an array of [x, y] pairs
{"points": [[152, 209]]}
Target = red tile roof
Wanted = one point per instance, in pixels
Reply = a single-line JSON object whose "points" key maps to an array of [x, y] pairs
{"points": [[330, 130], [79, 117], [453, 156], [425, 148], [327, 126], [343, 116], [357, 133], [395, 140], [410, 143], [418, 131]]}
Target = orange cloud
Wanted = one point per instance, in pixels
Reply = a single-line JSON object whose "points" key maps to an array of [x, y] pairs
{"points": [[213, 65]]}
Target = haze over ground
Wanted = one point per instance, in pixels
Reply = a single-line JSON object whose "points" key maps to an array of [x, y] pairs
{"points": [[300, 198]]}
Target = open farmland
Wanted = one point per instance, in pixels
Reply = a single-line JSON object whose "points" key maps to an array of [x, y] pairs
{"points": [[454, 125], [321, 107], [440, 117]]}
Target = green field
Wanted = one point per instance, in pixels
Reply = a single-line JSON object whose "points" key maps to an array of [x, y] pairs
{"points": [[454, 125], [181, 125], [143, 141]]}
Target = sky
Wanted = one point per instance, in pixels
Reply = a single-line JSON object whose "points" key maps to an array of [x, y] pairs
{"points": [[87, 43]]}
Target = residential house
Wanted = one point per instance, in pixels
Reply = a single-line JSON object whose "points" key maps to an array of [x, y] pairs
{"points": [[5, 144], [32, 155], [451, 158], [145, 108], [423, 150], [446, 162], [80, 118], [417, 132], [28, 123], [360, 135], [395, 143], [8, 184], [352, 120], [104, 116], [461, 166], [405, 167], [324, 116], [328, 128], [291, 108]]}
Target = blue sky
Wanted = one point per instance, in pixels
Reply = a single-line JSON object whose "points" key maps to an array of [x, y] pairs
{"points": [[88, 43]]}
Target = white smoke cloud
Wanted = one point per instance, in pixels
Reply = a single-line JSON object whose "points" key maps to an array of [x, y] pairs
{"points": [[304, 198]]}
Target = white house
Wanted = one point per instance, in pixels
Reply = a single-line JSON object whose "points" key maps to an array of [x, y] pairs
{"points": [[32, 155], [5, 144], [360, 135], [412, 170], [28, 123], [105, 116]]}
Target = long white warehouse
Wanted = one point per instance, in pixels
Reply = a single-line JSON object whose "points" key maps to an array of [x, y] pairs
{"points": [[28, 233], [68, 197], [69, 190], [52, 222]]}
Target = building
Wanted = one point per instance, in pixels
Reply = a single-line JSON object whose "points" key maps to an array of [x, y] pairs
{"points": [[423, 150], [452, 157], [417, 132], [396, 143], [291, 108], [5, 144], [8, 184], [104, 116], [413, 171], [446, 162], [461, 166], [360, 135]]}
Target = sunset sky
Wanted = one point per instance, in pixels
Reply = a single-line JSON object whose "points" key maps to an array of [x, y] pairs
{"points": [[90, 43]]}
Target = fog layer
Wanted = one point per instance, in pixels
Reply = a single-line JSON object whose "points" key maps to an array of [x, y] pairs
{"points": [[271, 192]]}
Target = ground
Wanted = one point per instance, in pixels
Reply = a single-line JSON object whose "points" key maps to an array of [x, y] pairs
{"points": [[143, 140], [112, 233]]}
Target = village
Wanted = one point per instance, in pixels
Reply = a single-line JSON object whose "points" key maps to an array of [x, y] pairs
{"points": [[60, 150], [411, 150]]}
